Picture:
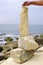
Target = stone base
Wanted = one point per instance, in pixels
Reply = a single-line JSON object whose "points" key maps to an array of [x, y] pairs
{"points": [[27, 43], [20, 55]]}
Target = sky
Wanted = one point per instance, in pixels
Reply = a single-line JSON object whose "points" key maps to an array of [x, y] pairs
{"points": [[10, 12]]}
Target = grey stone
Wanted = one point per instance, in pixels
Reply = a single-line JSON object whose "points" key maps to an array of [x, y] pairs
{"points": [[27, 43], [39, 40], [20, 55]]}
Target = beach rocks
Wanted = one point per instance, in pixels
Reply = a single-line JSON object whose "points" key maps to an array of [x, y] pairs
{"points": [[39, 40], [20, 55], [2, 56], [1, 49], [27, 43], [10, 45], [6, 48]]}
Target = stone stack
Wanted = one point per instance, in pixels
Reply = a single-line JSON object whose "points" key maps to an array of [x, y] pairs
{"points": [[26, 44]]}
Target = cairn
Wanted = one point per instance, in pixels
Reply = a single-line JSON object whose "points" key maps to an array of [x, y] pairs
{"points": [[26, 43]]}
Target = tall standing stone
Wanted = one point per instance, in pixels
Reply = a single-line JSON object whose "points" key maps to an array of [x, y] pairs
{"points": [[24, 22]]}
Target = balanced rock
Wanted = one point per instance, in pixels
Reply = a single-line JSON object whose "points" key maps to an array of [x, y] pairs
{"points": [[24, 22], [20, 55], [27, 43]]}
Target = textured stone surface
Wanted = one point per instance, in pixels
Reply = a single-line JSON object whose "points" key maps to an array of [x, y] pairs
{"points": [[10, 45], [36, 60], [27, 42], [39, 40], [1, 56], [20, 55], [24, 22]]}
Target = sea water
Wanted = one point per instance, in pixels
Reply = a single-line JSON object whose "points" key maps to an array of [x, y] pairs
{"points": [[14, 29]]}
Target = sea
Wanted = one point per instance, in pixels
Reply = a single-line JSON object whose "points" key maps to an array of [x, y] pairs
{"points": [[14, 29]]}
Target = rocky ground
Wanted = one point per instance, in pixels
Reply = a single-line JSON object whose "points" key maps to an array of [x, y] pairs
{"points": [[5, 54]]}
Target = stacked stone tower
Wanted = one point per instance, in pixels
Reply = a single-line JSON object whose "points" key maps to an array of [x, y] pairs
{"points": [[26, 44]]}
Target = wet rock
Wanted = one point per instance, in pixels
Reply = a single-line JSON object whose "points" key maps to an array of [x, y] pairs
{"points": [[39, 40], [1, 49], [1, 56]]}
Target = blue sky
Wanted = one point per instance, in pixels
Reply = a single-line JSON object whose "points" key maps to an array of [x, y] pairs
{"points": [[10, 12]]}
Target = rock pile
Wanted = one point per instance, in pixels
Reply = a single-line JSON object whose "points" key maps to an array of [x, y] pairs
{"points": [[26, 44]]}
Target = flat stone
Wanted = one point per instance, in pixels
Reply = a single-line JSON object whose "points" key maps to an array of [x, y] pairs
{"points": [[27, 43], [20, 55]]}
